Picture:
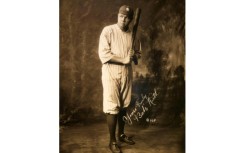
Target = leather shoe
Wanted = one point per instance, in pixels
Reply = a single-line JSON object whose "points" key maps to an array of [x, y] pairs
{"points": [[126, 139], [114, 147]]}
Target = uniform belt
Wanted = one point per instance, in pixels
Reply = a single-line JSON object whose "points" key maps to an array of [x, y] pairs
{"points": [[115, 63]]}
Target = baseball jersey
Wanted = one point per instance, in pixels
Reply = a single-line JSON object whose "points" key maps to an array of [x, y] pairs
{"points": [[116, 78]]}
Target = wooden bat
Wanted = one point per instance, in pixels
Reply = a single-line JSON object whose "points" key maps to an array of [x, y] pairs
{"points": [[134, 31]]}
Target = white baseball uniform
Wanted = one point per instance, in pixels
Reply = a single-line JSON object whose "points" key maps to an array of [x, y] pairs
{"points": [[116, 78]]}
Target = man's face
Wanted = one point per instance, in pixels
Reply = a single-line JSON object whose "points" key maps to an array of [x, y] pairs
{"points": [[123, 21]]}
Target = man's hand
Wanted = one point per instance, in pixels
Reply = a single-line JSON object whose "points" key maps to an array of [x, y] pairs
{"points": [[131, 53]]}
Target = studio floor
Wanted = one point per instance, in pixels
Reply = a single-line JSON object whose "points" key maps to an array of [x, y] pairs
{"points": [[94, 138]]}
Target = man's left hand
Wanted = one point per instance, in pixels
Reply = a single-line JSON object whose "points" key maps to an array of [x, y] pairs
{"points": [[131, 53]]}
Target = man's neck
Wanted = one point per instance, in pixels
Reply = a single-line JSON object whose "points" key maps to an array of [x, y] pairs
{"points": [[123, 28]]}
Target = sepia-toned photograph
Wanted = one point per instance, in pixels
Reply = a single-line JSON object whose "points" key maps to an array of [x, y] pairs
{"points": [[122, 76]]}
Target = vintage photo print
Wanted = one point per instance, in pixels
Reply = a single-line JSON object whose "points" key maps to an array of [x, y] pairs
{"points": [[122, 76]]}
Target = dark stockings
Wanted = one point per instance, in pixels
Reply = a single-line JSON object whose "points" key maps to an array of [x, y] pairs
{"points": [[112, 123], [121, 123]]}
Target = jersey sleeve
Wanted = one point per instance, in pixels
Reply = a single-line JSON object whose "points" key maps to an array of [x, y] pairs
{"points": [[105, 53]]}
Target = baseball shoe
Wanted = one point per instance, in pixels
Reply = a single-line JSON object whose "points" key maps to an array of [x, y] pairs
{"points": [[126, 139], [114, 147]]}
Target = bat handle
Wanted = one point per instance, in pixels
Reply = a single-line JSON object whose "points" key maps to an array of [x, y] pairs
{"points": [[135, 60]]}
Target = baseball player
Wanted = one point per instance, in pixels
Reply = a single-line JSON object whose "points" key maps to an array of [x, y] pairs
{"points": [[116, 55]]}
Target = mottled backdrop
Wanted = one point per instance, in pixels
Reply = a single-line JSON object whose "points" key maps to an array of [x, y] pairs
{"points": [[159, 79]]}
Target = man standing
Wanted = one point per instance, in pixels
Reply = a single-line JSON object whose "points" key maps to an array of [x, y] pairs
{"points": [[116, 55]]}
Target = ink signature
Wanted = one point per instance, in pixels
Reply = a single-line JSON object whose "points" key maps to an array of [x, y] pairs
{"points": [[142, 105]]}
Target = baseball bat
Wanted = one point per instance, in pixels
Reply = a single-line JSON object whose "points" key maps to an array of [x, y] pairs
{"points": [[134, 31]]}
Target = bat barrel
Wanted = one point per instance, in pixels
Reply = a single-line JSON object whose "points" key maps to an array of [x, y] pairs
{"points": [[135, 26], [137, 16]]}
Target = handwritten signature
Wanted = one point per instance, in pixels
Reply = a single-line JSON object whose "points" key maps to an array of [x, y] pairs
{"points": [[142, 105]]}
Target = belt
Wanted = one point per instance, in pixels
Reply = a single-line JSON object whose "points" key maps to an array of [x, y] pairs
{"points": [[114, 63]]}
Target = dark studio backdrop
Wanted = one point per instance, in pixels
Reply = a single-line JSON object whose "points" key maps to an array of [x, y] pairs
{"points": [[159, 78]]}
